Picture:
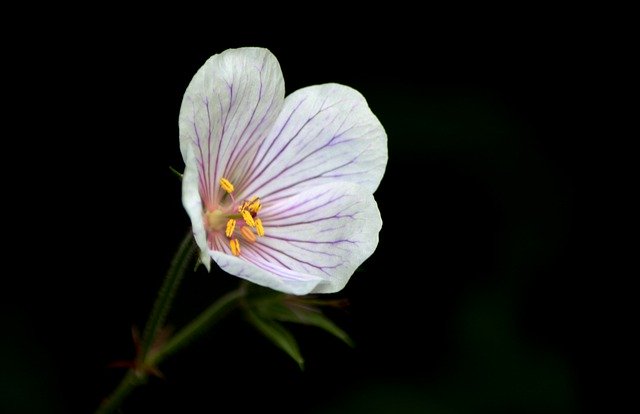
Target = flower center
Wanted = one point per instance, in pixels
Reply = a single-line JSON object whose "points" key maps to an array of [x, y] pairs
{"points": [[236, 219], [215, 219]]}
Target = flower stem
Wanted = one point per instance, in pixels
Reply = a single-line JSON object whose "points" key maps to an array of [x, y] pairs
{"points": [[197, 327], [128, 384], [148, 357], [137, 377], [175, 274]]}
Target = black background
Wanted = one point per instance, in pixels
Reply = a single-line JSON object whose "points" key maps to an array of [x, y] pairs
{"points": [[486, 296]]}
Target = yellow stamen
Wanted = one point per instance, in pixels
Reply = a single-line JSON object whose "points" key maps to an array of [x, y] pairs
{"points": [[226, 185], [235, 247], [231, 225], [254, 205], [248, 234], [259, 227], [246, 215]]}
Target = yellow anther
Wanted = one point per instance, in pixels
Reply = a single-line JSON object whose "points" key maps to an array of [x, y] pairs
{"points": [[254, 205], [226, 185], [246, 215], [231, 225], [248, 234], [259, 227], [235, 247]]}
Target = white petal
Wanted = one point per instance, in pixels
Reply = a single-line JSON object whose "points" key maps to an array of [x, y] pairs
{"points": [[193, 205], [227, 109], [314, 240], [325, 133], [284, 281]]}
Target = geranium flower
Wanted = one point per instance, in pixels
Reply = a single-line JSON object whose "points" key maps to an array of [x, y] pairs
{"points": [[279, 191]]}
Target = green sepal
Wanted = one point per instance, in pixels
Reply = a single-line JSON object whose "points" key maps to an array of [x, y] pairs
{"points": [[176, 172], [197, 264]]}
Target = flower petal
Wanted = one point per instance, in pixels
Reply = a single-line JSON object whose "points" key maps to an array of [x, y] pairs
{"points": [[229, 106], [314, 240], [286, 281], [325, 133], [193, 205]]}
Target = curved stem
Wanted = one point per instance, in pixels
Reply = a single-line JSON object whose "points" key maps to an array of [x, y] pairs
{"points": [[175, 274], [137, 377], [197, 327], [128, 384]]}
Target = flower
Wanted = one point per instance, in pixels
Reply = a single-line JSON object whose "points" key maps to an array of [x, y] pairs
{"points": [[279, 191]]}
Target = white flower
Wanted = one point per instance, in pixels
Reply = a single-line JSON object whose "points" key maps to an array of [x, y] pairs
{"points": [[279, 191]]}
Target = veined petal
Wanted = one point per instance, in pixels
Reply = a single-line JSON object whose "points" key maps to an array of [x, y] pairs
{"points": [[313, 241], [284, 280], [325, 133], [193, 205], [227, 110]]}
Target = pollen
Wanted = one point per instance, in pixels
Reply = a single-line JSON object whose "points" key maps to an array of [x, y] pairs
{"points": [[248, 218], [248, 234], [231, 225], [226, 185], [254, 205], [235, 247], [242, 216], [259, 227]]}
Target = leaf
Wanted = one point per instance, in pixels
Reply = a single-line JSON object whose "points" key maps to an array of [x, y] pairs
{"points": [[319, 320], [278, 334], [305, 316]]}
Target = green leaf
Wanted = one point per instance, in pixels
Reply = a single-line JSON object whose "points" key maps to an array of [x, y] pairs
{"points": [[317, 319], [278, 334], [304, 316]]}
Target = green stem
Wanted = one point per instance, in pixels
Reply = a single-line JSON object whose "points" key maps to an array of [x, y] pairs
{"points": [[197, 327], [137, 377], [175, 274], [131, 381]]}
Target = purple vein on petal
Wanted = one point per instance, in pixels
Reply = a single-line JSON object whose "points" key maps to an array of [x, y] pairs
{"points": [[210, 191], [231, 143], [252, 168], [316, 251], [244, 150], [270, 267], [294, 258], [332, 242], [299, 223], [279, 190], [233, 157], [249, 140], [288, 167], [222, 132], [262, 253], [323, 174], [199, 145], [330, 143], [293, 138], [270, 216]]}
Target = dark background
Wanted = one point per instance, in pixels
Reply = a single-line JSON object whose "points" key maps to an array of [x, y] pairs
{"points": [[486, 296]]}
